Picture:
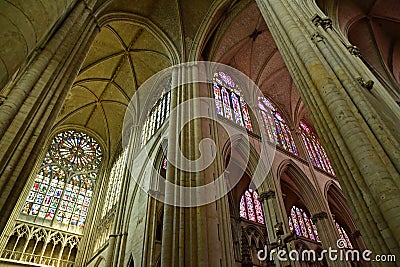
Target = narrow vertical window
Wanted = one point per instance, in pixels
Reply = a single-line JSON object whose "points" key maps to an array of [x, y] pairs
{"points": [[343, 235], [250, 207], [156, 117], [229, 101], [315, 150], [114, 183], [276, 127], [301, 224]]}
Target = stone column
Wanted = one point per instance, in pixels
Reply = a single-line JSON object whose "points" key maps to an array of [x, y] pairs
{"points": [[29, 110], [25, 26], [359, 137], [188, 233]]}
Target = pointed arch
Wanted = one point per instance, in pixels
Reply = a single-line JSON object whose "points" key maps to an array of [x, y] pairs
{"points": [[303, 186]]}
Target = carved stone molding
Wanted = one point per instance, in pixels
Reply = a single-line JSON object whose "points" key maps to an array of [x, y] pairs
{"points": [[319, 216], [317, 37], [366, 84], [325, 23], [267, 195], [2, 99], [354, 50]]}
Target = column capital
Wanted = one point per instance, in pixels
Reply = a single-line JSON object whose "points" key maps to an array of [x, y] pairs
{"points": [[319, 216], [354, 50], [2, 99], [317, 37], [325, 23], [366, 84], [267, 195]]}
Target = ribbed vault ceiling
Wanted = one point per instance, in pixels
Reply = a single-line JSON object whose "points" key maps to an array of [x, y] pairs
{"points": [[374, 26], [122, 57], [248, 46]]}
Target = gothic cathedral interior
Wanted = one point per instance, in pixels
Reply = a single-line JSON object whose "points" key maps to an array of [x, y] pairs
{"points": [[113, 154]]}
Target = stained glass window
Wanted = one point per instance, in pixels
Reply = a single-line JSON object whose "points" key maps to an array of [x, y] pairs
{"points": [[301, 224], [250, 207], [343, 235], [156, 117], [64, 185], [114, 183], [276, 127], [229, 102], [315, 151]]}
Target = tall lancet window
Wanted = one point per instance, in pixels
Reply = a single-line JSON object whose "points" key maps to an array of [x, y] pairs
{"points": [[229, 101], [276, 127], [301, 224], [250, 207], [114, 183], [157, 116], [64, 185], [315, 151]]}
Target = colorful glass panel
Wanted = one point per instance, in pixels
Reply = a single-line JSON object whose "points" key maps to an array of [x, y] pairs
{"points": [[236, 109], [301, 224], [315, 150], [250, 207], [229, 102], [63, 187], [276, 127], [243, 212], [258, 208], [343, 235]]}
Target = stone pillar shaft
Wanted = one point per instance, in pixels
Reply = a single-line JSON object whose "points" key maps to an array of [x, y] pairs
{"points": [[355, 133], [28, 113], [186, 231]]}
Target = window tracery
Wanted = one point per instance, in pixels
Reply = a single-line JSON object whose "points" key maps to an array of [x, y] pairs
{"points": [[315, 150], [250, 207], [276, 127], [64, 185], [114, 183], [34, 244], [229, 101], [156, 117], [301, 224]]}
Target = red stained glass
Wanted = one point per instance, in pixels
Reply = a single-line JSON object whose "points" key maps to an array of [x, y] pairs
{"points": [[229, 102], [276, 127], [243, 212], [250, 207], [315, 150], [236, 109], [302, 225], [75, 153]]}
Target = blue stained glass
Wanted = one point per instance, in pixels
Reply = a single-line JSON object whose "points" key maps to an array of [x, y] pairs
{"points": [[276, 127], [236, 109], [226, 102], [250, 207], [315, 150], [218, 100], [75, 153], [229, 102]]}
